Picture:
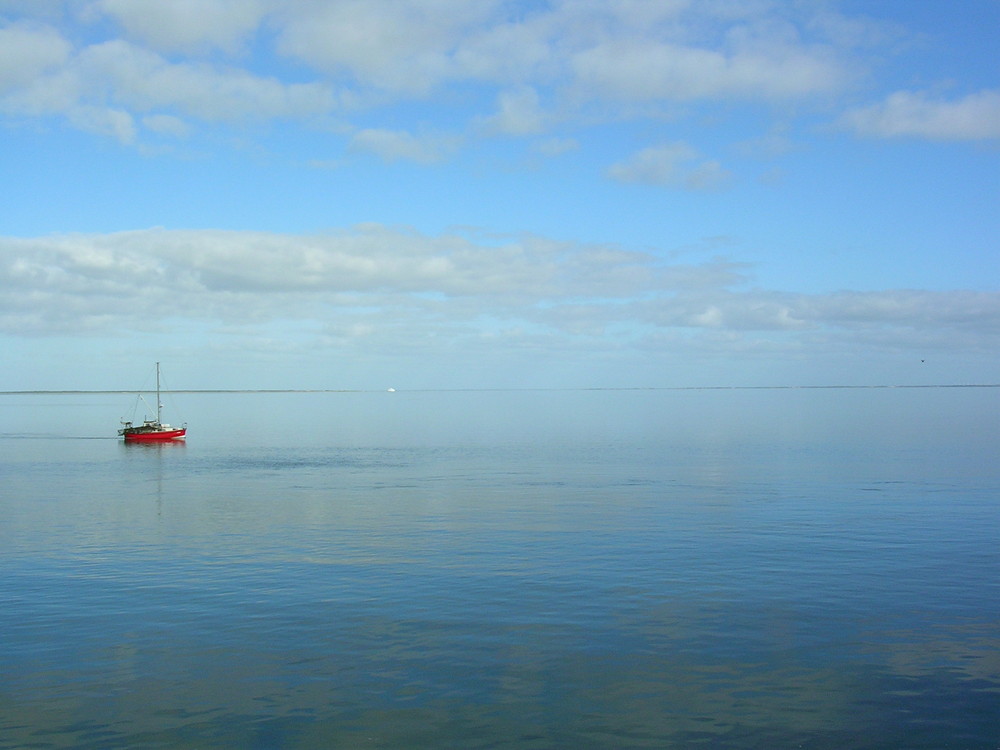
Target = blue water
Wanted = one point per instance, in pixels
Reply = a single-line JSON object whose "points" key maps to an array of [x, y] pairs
{"points": [[579, 569]]}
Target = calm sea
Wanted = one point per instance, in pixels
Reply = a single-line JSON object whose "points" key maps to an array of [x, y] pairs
{"points": [[814, 568]]}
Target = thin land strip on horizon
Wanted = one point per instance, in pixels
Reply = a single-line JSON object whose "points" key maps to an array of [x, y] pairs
{"points": [[118, 391]]}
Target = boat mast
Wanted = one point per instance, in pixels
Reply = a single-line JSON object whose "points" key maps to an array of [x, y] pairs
{"points": [[158, 404]]}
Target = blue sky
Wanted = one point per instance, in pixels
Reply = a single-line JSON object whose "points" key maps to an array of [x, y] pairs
{"points": [[455, 194]]}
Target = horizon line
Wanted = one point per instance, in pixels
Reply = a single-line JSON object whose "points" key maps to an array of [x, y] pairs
{"points": [[503, 389]]}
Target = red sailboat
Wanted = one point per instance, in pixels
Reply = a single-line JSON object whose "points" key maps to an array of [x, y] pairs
{"points": [[152, 430]]}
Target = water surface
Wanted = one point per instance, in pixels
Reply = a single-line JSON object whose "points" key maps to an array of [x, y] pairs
{"points": [[735, 569]]}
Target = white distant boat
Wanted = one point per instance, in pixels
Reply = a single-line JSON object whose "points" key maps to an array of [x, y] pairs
{"points": [[391, 390]]}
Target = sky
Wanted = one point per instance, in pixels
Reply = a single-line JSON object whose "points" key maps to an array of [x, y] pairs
{"points": [[364, 194]]}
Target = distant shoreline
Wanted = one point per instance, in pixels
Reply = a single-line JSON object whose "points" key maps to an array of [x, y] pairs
{"points": [[502, 390]]}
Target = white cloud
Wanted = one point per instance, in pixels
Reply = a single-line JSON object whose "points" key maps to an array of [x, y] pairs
{"points": [[543, 63], [27, 52], [107, 121], [514, 51], [66, 280], [187, 25], [675, 165], [518, 113], [916, 114], [121, 79], [396, 145], [556, 146], [657, 165], [726, 310], [145, 82], [651, 69], [966, 310], [899, 313], [396, 45], [707, 175], [167, 125], [444, 288]]}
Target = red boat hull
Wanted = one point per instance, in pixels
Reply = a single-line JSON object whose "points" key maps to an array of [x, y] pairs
{"points": [[157, 436]]}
